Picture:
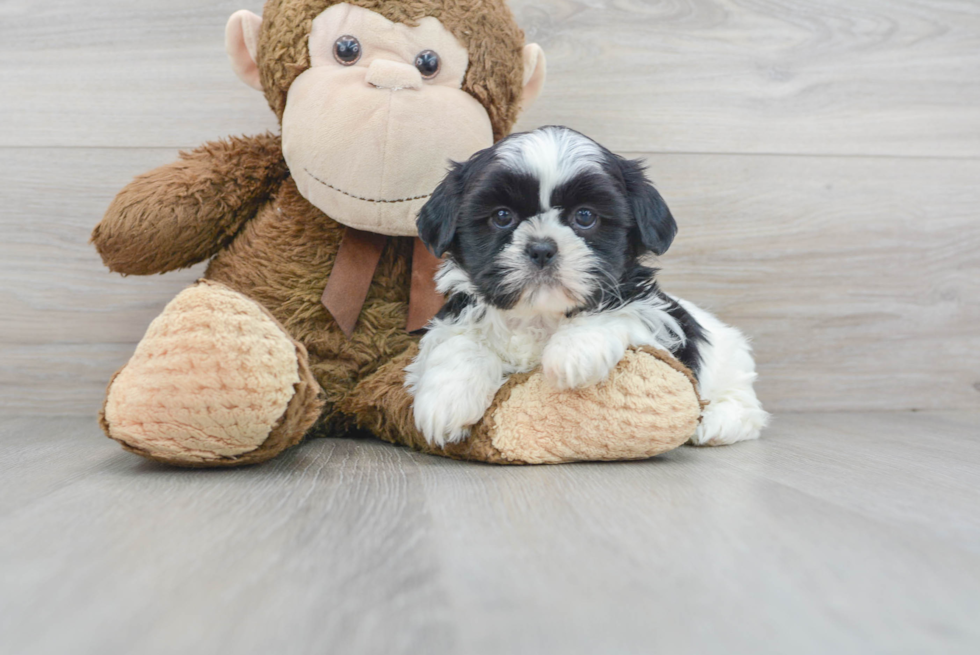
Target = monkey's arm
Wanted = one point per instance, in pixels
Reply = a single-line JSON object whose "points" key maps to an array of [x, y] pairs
{"points": [[185, 212]]}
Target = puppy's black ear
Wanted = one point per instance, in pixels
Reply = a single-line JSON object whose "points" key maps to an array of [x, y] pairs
{"points": [[437, 218], [653, 218]]}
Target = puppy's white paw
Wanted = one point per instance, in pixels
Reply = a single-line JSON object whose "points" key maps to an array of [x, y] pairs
{"points": [[453, 379], [729, 421], [579, 358], [445, 413]]}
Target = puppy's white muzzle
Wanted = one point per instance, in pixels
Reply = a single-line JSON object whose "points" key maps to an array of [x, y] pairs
{"points": [[549, 265]]}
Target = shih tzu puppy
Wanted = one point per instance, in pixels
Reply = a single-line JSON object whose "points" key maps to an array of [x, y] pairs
{"points": [[547, 235]]}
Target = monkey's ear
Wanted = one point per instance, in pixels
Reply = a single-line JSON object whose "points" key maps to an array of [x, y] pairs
{"points": [[437, 218], [534, 74], [653, 218], [242, 44]]}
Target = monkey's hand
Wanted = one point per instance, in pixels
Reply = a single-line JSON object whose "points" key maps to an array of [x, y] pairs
{"points": [[185, 212]]}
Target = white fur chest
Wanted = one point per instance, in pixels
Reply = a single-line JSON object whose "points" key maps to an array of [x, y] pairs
{"points": [[519, 338]]}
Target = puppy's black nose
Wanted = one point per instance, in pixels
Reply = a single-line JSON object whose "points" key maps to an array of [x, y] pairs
{"points": [[542, 252]]}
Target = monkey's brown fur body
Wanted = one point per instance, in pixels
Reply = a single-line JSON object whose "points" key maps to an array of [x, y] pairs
{"points": [[249, 362]]}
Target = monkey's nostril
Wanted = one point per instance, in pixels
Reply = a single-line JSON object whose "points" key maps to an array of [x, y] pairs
{"points": [[542, 253]]}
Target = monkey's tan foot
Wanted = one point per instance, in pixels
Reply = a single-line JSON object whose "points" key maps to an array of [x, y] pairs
{"points": [[647, 406], [216, 381]]}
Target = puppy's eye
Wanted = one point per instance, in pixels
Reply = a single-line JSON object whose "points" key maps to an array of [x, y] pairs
{"points": [[428, 63], [584, 219], [502, 219], [347, 50]]}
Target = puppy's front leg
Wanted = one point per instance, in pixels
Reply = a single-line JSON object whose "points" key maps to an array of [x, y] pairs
{"points": [[583, 352], [453, 380]]}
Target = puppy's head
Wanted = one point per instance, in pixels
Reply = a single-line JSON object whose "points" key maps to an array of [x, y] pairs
{"points": [[547, 220]]}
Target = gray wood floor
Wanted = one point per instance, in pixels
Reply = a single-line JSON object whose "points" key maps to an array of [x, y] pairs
{"points": [[838, 533], [822, 159]]}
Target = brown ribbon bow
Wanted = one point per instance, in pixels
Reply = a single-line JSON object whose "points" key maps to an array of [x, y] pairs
{"points": [[353, 270]]}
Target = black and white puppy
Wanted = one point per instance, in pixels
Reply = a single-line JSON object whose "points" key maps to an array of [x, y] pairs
{"points": [[547, 233]]}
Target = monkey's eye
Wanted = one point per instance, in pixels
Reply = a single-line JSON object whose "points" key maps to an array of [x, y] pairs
{"points": [[584, 219], [347, 50], [502, 219], [428, 64]]}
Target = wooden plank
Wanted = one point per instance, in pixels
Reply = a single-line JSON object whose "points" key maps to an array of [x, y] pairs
{"points": [[726, 548], [883, 77], [918, 470], [122, 73], [44, 455], [341, 546], [310, 538], [896, 77], [68, 323], [51, 277], [857, 278], [58, 379]]}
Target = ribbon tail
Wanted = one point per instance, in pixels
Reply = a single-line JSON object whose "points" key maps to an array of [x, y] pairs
{"points": [[349, 281], [424, 302]]}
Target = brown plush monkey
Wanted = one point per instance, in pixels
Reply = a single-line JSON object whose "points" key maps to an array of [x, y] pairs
{"points": [[302, 323]]}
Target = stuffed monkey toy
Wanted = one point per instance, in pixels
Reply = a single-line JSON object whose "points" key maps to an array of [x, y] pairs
{"points": [[317, 285]]}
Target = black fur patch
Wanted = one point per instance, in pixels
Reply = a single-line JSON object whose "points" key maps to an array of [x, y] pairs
{"points": [[640, 284], [478, 242], [455, 305], [690, 353]]}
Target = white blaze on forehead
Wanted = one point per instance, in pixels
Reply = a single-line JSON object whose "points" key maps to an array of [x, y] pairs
{"points": [[552, 155]]}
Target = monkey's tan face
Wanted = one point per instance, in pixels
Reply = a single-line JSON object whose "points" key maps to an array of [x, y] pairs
{"points": [[370, 127]]}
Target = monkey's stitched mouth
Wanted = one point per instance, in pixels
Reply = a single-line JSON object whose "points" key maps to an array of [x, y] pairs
{"points": [[351, 195]]}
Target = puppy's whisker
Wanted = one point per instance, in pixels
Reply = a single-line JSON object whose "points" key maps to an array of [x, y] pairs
{"points": [[608, 285]]}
